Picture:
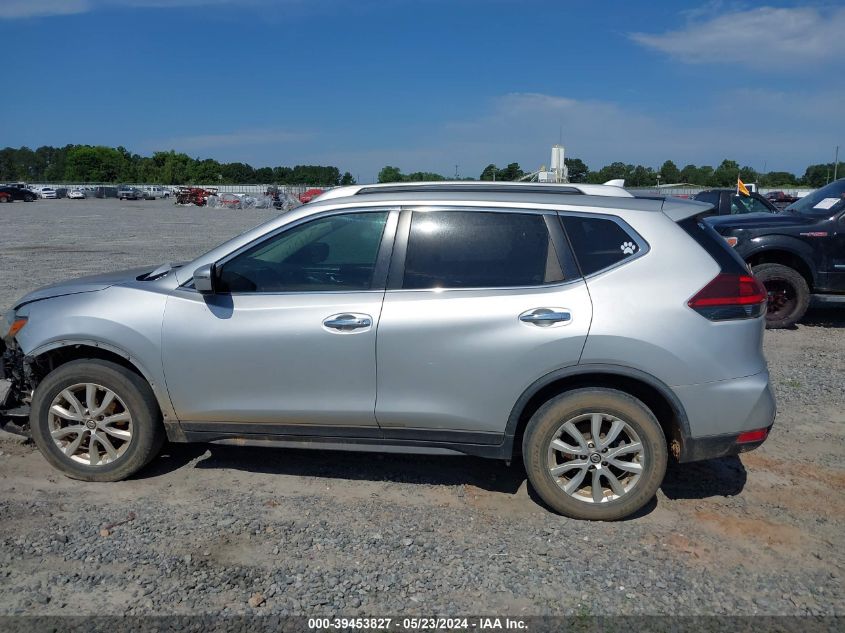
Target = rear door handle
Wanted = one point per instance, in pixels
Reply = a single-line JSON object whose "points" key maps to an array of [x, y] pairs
{"points": [[546, 316], [348, 322]]}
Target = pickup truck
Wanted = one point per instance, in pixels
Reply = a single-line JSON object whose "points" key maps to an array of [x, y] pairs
{"points": [[780, 199], [125, 192], [151, 192], [797, 253], [729, 202]]}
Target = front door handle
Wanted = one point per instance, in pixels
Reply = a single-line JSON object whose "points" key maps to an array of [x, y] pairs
{"points": [[348, 322], [545, 317]]}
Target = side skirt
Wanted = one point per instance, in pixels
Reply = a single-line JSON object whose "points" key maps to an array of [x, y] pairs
{"points": [[368, 439]]}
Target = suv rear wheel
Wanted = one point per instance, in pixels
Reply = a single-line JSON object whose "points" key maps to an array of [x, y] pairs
{"points": [[788, 294], [596, 454], [95, 420]]}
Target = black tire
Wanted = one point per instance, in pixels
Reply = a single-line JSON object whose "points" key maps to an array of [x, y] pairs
{"points": [[788, 293], [544, 426], [147, 430]]}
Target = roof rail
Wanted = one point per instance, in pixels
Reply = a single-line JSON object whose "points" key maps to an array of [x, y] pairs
{"points": [[493, 187], [473, 186]]}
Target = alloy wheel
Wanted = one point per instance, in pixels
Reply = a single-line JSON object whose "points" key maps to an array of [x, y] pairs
{"points": [[596, 457], [90, 424]]}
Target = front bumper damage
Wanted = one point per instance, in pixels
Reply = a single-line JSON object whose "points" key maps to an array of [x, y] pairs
{"points": [[15, 388]]}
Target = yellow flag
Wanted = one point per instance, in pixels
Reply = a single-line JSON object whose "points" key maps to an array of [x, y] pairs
{"points": [[741, 188]]}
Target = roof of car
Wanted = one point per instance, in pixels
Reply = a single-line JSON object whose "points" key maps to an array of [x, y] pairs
{"points": [[475, 186], [599, 197]]}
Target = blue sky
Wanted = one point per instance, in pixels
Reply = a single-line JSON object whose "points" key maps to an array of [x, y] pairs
{"points": [[429, 84]]}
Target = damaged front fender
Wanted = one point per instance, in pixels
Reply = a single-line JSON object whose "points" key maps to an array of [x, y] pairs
{"points": [[15, 388]]}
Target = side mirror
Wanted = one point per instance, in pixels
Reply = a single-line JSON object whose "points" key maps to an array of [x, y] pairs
{"points": [[204, 279]]}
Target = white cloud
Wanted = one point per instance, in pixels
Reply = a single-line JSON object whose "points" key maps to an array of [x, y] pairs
{"points": [[765, 38], [11, 9]]}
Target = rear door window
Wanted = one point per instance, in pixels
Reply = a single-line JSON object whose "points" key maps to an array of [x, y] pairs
{"points": [[478, 249], [599, 243]]}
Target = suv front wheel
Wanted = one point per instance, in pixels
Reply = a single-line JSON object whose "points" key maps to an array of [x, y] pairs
{"points": [[95, 420], [596, 454]]}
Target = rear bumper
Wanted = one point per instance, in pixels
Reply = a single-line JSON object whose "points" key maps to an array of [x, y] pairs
{"points": [[719, 412], [701, 448]]}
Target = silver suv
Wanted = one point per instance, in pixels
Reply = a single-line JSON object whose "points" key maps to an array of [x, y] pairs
{"points": [[590, 332]]}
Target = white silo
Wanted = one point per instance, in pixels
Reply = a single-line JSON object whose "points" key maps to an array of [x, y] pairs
{"points": [[558, 164]]}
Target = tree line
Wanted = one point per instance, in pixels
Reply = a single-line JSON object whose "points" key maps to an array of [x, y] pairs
{"points": [[87, 163], [724, 175]]}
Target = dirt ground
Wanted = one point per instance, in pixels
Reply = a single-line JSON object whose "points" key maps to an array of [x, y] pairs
{"points": [[761, 533]]}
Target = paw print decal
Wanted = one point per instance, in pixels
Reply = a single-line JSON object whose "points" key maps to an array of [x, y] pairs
{"points": [[628, 248]]}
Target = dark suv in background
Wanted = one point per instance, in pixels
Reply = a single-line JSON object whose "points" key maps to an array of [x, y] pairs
{"points": [[796, 253]]}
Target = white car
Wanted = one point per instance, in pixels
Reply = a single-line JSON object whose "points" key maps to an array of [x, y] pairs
{"points": [[76, 194], [48, 193]]}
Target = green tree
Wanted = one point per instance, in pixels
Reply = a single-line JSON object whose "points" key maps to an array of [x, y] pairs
{"points": [[422, 176], [237, 172], [264, 175], [819, 175], [282, 175], [611, 172], [642, 176], [510, 173], [779, 179], [205, 172], [578, 170], [347, 179], [669, 173], [726, 173], [390, 174], [748, 174], [490, 172]]}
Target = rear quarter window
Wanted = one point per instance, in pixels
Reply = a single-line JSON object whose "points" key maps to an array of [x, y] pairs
{"points": [[599, 243]]}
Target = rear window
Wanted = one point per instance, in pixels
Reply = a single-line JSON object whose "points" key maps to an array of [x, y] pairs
{"points": [[476, 249], [598, 243]]}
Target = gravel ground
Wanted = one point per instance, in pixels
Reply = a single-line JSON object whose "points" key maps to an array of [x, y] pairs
{"points": [[240, 530]]}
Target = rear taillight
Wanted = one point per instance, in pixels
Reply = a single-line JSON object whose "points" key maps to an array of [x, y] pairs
{"points": [[730, 296]]}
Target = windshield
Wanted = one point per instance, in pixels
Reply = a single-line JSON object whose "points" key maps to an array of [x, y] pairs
{"points": [[823, 202], [747, 204]]}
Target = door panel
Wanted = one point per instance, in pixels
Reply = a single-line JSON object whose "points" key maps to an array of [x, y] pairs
{"points": [[289, 338], [270, 359], [460, 359], [477, 310], [836, 255]]}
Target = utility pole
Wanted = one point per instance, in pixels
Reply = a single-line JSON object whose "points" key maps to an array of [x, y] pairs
{"points": [[456, 172], [836, 163]]}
